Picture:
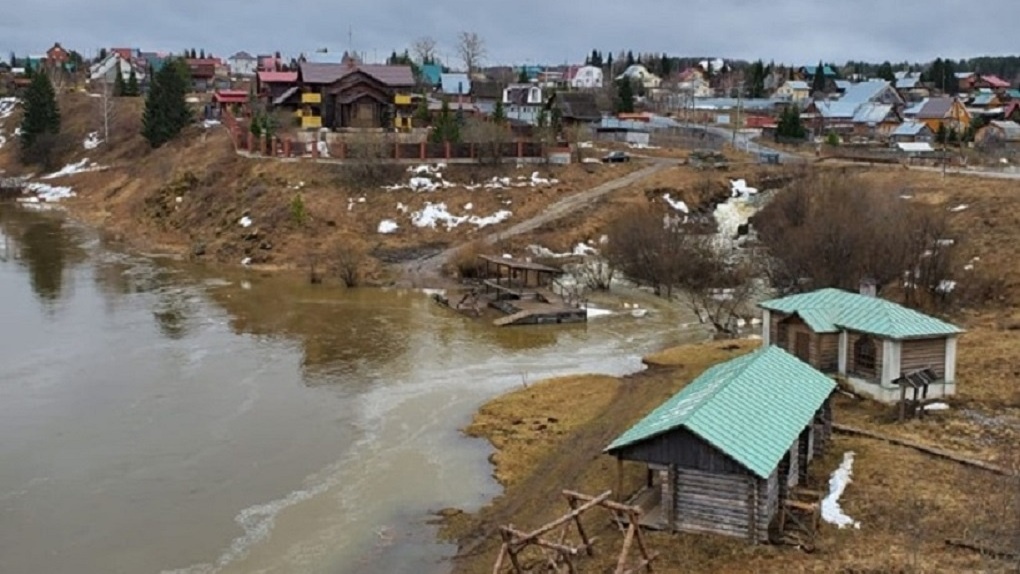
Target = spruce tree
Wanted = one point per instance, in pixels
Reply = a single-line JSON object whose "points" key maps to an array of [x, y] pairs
{"points": [[40, 120], [421, 113], [630, 58], [166, 111], [885, 72], [119, 88], [499, 113], [522, 77], [624, 96], [132, 88], [818, 84], [28, 68]]}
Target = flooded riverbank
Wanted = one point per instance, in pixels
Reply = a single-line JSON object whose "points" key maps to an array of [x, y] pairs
{"points": [[162, 418]]}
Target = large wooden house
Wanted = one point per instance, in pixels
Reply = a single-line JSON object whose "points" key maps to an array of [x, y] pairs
{"points": [[355, 95], [725, 452], [869, 342]]}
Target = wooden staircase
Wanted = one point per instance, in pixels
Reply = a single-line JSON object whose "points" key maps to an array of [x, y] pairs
{"points": [[796, 523]]}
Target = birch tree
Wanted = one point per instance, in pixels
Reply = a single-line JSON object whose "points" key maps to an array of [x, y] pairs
{"points": [[424, 49], [471, 49]]}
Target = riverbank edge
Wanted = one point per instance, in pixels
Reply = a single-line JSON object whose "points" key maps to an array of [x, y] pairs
{"points": [[529, 427]]}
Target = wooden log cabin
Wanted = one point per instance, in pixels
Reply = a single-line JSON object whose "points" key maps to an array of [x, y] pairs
{"points": [[867, 341], [724, 453]]}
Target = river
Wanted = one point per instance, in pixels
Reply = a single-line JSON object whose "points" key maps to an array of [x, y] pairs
{"points": [[156, 417]]}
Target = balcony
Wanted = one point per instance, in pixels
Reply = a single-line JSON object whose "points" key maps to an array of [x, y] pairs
{"points": [[311, 122], [311, 98]]}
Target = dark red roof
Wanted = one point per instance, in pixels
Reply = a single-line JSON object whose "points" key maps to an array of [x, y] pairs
{"points": [[230, 96], [994, 81], [268, 77]]}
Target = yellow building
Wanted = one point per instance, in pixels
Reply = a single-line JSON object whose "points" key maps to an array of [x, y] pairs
{"points": [[936, 112]]}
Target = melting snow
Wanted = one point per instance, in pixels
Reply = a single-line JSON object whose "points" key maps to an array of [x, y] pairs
{"points": [[430, 178], [323, 148], [246, 261], [387, 226], [469, 206], [210, 123], [47, 193], [579, 250], [434, 213], [739, 188], [936, 407], [946, 286], [82, 166], [7, 106], [641, 146], [841, 477], [245, 221], [92, 141], [959, 208], [595, 312], [676, 204]]}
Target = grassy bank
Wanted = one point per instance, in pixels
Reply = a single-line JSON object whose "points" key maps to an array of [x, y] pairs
{"points": [[549, 437]]}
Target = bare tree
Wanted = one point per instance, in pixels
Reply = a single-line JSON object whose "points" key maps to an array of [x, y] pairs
{"points": [[105, 100], [657, 251], [424, 49], [832, 230], [471, 49], [349, 259], [370, 161]]}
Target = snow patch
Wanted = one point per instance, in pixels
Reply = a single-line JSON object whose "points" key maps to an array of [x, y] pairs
{"points": [[323, 148], [676, 204], [936, 407], [245, 221], [47, 193], [82, 166], [594, 312], [430, 178], [641, 146], [580, 250], [739, 188], [841, 477], [434, 213], [92, 141], [387, 226], [946, 286], [959, 208], [210, 123]]}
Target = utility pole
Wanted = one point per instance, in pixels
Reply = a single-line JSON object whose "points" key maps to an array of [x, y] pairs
{"points": [[945, 132], [736, 120]]}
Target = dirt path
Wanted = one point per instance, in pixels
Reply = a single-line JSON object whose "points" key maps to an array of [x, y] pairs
{"points": [[430, 266]]}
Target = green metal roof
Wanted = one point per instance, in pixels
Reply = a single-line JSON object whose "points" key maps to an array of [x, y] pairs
{"points": [[833, 310], [751, 408]]}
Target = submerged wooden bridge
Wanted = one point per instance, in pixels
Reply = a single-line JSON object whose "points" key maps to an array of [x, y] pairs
{"points": [[524, 292]]}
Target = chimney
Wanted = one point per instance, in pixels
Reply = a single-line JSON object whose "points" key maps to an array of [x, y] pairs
{"points": [[869, 287]]}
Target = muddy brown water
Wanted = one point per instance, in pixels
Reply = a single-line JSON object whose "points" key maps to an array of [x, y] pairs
{"points": [[161, 418]]}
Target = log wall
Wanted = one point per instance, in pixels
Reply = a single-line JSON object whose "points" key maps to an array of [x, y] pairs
{"points": [[924, 353], [828, 352], [683, 449], [821, 427], [729, 504], [851, 365]]}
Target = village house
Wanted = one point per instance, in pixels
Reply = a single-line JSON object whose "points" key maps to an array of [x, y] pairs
{"points": [[795, 91], [724, 454], [1012, 111], [105, 71], [912, 132], [910, 87], [639, 74], [523, 102], [867, 341], [455, 84], [354, 95], [983, 99], [584, 77], [970, 81], [866, 109], [243, 64], [938, 111], [999, 134], [208, 74], [574, 108]]}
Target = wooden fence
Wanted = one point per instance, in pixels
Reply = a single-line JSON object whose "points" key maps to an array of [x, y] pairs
{"points": [[244, 140]]}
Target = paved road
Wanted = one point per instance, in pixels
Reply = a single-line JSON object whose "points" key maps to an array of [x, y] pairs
{"points": [[432, 265]]}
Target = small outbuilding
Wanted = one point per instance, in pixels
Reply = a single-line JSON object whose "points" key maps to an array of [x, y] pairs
{"points": [[724, 452], [867, 341]]}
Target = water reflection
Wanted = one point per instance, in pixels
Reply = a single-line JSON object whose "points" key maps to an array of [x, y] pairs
{"points": [[44, 245]]}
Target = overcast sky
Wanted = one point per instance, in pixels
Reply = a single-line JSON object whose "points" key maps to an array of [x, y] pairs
{"points": [[529, 31]]}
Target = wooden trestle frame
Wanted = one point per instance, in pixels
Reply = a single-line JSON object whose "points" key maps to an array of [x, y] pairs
{"points": [[561, 554]]}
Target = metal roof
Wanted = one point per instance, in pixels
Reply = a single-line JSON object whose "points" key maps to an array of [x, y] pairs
{"points": [[915, 147], [837, 109], [862, 92], [909, 128], [752, 408], [833, 310], [268, 77], [870, 113], [798, 85], [1010, 130], [907, 83], [935, 108], [455, 83], [983, 100], [320, 73]]}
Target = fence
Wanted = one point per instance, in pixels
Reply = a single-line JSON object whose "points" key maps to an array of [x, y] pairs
{"points": [[244, 140], [693, 137]]}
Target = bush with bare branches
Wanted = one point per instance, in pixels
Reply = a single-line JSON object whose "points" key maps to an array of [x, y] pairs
{"points": [[349, 259], [369, 162], [658, 252], [465, 263], [831, 230], [489, 138]]}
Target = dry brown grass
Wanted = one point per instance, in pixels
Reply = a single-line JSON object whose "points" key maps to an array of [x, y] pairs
{"points": [[908, 502]]}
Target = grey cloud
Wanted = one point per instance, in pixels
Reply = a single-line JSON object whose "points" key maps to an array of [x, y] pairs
{"points": [[548, 31]]}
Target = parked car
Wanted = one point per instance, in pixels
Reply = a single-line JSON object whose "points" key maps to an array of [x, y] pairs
{"points": [[616, 157]]}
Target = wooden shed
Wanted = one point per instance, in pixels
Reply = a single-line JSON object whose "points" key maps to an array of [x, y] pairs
{"points": [[868, 341], [724, 452]]}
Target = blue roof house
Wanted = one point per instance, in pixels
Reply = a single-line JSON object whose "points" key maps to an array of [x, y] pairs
{"points": [[874, 345], [455, 84], [432, 74], [725, 451]]}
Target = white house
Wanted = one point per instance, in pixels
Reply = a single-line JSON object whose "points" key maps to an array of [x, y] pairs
{"points": [[106, 70], [243, 64], [522, 102], [587, 77], [794, 91], [640, 74]]}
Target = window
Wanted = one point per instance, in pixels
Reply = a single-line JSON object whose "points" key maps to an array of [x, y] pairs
{"points": [[864, 354]]}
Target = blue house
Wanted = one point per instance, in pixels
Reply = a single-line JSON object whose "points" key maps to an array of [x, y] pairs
{"points": [[432, 74]]}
